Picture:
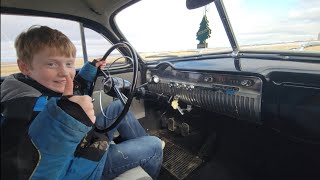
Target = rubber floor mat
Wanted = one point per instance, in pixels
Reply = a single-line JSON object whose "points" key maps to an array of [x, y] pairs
{"points": [[179, 162]]}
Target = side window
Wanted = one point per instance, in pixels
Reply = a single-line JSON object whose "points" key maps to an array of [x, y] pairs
{"points": [[97, 46], [10, 30]]}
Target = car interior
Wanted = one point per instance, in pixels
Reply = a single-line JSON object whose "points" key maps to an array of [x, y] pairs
{"points": [[226, 115]]}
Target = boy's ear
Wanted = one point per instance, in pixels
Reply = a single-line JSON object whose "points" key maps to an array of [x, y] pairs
{"points": [[24, 68]]}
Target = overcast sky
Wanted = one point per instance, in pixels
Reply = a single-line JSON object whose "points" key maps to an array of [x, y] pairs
{"points": [[254, 22]]}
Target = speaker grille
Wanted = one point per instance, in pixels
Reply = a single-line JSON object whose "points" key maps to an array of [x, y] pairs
{"points": [[238, 105]]}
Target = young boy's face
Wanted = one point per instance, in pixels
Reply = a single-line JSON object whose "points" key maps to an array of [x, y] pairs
{"points": [[50, 70]]}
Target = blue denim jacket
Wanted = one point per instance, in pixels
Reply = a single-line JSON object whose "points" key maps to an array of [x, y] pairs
{"points": [[56, 136]]}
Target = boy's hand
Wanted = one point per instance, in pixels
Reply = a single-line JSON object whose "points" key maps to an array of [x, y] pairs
{"points": [[84, 101], [98, 63]]}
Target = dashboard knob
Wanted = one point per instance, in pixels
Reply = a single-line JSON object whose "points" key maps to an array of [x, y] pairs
{"points": [[155, 79], [208, 79], [247, 82]]}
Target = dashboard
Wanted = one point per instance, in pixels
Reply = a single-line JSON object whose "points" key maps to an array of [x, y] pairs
{"points": [[281, 95], [238, 96]]}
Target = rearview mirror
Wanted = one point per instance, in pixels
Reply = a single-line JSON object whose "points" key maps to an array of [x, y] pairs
{"points": [[193, 4]]}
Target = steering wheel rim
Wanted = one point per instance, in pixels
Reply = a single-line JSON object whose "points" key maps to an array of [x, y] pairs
{"points": [[118, 92]]}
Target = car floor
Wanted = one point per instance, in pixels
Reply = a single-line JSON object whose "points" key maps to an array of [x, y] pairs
{"points": [[184, 158], [229, 149]]}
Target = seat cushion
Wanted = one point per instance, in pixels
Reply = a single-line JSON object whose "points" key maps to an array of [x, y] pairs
{"points": [[136, 173]]}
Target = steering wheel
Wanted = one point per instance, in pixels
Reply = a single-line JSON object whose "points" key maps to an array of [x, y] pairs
{"points": [[116, 83]]}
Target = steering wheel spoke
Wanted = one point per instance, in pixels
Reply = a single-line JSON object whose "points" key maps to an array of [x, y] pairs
{"points": [[123, 98]]}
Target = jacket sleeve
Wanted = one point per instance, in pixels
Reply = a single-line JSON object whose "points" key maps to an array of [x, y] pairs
{"points": [[84, 78], [56, 135]]}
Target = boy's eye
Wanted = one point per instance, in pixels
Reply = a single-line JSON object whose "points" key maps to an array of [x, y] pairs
{"points": [[70, 64], [52, 64]]}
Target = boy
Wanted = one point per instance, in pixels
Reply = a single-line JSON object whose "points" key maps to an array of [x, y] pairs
{"points": [[46, 130]]}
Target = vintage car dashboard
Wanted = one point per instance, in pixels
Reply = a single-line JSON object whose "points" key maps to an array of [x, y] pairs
{"points": [[283, 95], [238, 96]]}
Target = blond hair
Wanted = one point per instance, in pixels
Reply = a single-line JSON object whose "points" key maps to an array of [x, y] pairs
{"points": [[38, 38]]}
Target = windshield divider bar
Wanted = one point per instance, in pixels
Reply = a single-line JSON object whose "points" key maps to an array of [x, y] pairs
{"points": [[227, 26]]}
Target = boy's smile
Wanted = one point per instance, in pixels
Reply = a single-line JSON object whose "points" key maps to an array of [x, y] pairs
{"points": [[50, 70]]}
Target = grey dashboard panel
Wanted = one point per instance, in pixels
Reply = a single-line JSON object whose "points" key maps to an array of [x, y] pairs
{"points": [[238, 96]]}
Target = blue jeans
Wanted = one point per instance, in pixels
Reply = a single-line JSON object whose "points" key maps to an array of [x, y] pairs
{"points": [[138, 148]]}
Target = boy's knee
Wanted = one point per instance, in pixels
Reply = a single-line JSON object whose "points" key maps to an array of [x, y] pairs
{"points": [[117, 104], [156, 144]]}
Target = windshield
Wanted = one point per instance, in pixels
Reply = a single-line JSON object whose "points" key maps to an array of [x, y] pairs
{"points": [[166, 28]]}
